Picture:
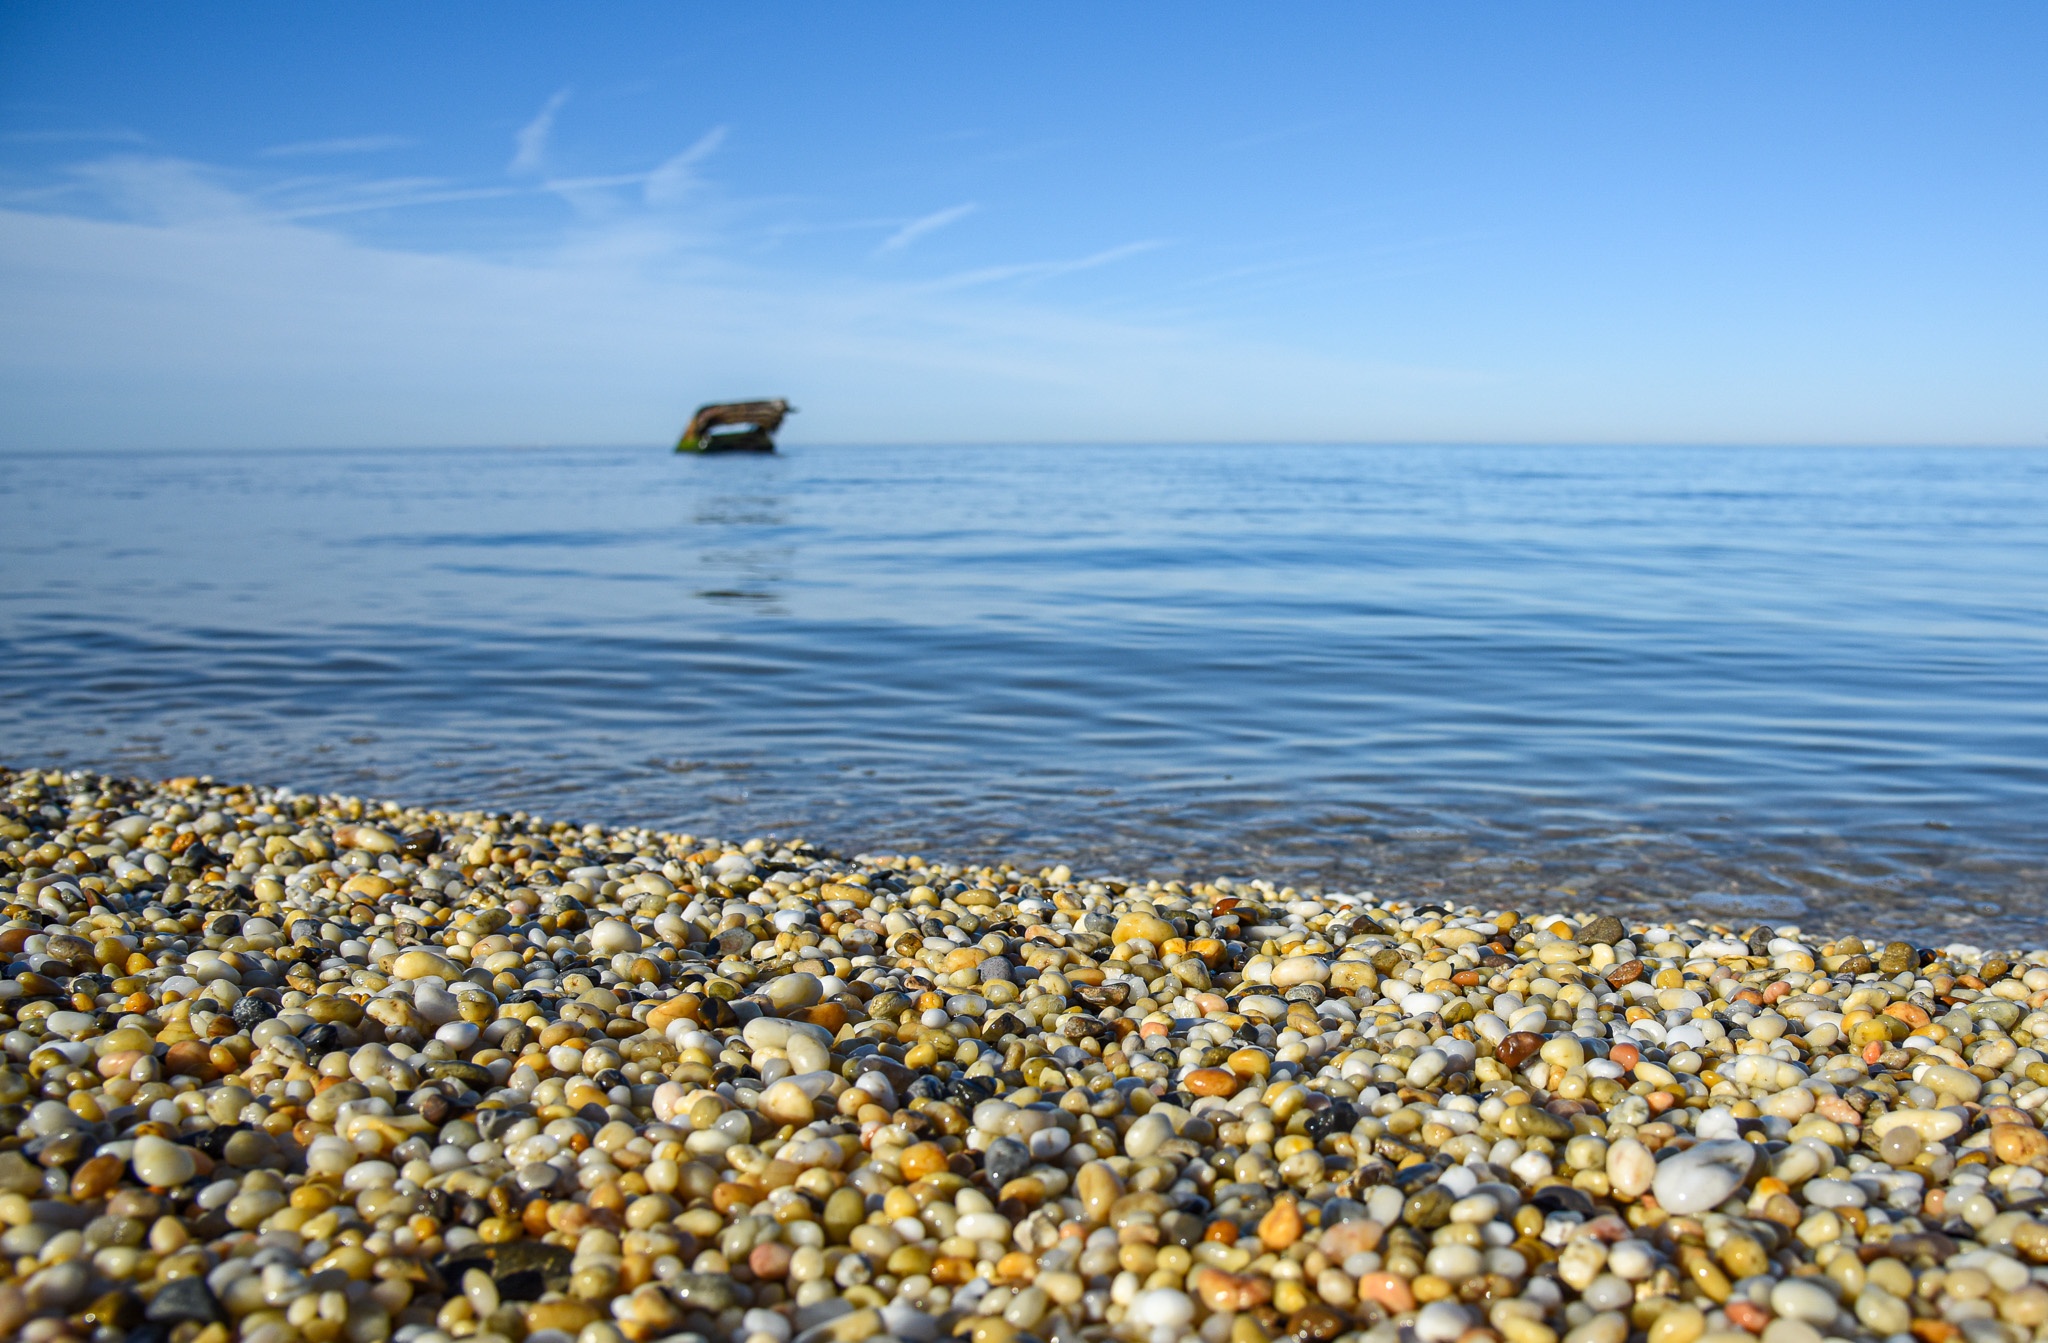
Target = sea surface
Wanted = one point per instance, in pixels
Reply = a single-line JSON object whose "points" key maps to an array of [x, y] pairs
{"points": [[1787, 686]]}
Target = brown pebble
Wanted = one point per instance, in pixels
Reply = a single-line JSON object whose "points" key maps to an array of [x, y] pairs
{"points": [[189, 1058], [678, 931], [1517, 1048], [1628, 972], [1316, 1323], [1603, 929], [96, 1178]]}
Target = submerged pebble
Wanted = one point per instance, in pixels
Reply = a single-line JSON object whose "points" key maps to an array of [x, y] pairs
{"points": [[280, 1067]]}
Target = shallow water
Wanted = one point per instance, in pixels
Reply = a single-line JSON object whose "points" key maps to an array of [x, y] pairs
{"points": [[1806, 685]]}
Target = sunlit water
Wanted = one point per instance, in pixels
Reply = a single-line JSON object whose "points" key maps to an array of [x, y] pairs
{"points": [[1778, 685]]}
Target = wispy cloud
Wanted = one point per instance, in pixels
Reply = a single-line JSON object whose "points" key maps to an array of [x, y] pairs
{"points": [[204, 314], [162, 300], [530, 145], [1043, 270], [162, 191], [347, 144], [672, 180], [918, 227], [396, 194], [594, 183]]}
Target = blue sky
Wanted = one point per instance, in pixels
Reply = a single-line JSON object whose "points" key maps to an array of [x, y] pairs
{"points": [[462, 223]]}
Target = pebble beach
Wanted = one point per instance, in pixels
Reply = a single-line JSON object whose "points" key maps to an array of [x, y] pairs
{"points": [[280, 1067]]}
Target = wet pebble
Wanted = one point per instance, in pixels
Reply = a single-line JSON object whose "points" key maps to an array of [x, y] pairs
{"points": [[266, 1058]]}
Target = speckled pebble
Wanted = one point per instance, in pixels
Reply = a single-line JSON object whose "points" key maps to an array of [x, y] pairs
{"points": [[281, 1068]]}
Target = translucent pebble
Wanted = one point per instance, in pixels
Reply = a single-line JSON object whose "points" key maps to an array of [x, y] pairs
{"points": [[767, 1324], [1631, 1260], [458, 1035], [163, 1164], [1454, 1262], [1441, 1322], [1608, 1292], [1801, 1299], [1162, 1308]]}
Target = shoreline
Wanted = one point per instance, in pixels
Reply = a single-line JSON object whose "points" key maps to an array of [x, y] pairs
{"points": [[264, 1050], [1420, 882]]}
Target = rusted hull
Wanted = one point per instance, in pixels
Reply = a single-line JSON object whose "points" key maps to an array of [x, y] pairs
{"points": [[750, 440], [749, 426]]}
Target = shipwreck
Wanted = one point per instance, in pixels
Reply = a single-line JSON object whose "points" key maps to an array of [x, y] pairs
{"points": [[734, 426]]}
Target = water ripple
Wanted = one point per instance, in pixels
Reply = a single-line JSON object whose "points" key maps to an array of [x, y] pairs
{"points": [[1738, 685]]}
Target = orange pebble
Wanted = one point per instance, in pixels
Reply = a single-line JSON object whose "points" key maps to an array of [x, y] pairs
{"points": [[1223, 1292], [922, 1159], [1747, 1315], [731, 1193], [189, 1058], [770, 1260], [1016, 1266], [1389, 1290], [1211, 1081], [118, 1063], [832, 1016], [952, 1270], [1224, 1233], [1624, 1056], [1660, 1101]]}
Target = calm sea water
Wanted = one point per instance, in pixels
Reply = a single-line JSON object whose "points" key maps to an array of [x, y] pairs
{"points": [[1747, 684]]}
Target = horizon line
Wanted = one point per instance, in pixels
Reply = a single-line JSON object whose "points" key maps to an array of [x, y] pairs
{"points": [[663, 448]]}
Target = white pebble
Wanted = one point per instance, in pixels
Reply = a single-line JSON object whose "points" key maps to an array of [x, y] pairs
{"points": [[1162, 1308]]}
